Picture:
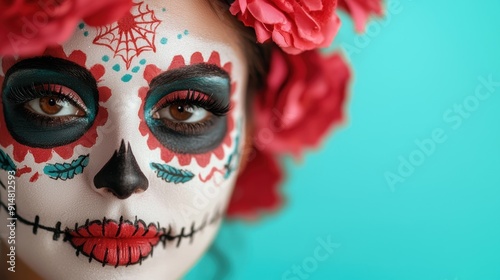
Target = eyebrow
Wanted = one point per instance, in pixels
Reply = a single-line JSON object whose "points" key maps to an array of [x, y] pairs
{"points": [[190, 71], [203, 77], [54, 64]]}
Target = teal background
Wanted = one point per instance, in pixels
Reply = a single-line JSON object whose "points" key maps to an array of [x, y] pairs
{"points": [[443, 221]]}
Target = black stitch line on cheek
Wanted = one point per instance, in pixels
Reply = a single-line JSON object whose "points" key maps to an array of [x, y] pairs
{"points": [[180, 237], [56, 230], [191, 234], [35, 226], [162, 233], [57, 234]]}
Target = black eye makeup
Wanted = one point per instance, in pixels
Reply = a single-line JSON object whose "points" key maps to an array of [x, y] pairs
{"points": [[48, 101], [186, 108]]}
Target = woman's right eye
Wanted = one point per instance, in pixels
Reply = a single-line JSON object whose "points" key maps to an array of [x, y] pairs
{"points": [[55, 101], [54, 106], [49, 101]]}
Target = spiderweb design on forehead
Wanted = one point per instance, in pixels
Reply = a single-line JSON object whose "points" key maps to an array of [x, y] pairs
{"points": [[131, 35]]}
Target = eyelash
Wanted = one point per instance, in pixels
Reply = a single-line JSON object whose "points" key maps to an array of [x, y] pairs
{"points": [[193, 98], [22, 95]]}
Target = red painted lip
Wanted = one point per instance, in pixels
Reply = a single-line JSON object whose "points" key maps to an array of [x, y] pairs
{"points": [[115, 243]]}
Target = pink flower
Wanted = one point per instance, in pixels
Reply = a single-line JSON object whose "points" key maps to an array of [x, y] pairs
{"points": [[294, 25], [28, 27], [257, 187], [360, 10], [304, 98]]}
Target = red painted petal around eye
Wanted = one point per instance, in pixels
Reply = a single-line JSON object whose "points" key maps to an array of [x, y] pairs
{"points": [[177, 61], [97, 71], [196, 58], [150, 72], [185, 159], [215, 59], [104, 94], [87, 140], [78, 57]]}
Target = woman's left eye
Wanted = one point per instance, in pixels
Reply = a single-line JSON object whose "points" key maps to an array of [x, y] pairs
{"points": [[180, 112], [54, 106]]}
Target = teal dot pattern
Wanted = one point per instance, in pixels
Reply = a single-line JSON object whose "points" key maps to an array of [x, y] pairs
{"points": [[81, 26], [127, 77], [184, 33], [136, 69]]}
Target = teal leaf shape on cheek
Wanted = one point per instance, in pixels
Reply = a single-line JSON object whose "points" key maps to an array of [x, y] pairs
{"points": [[66, 171], [6, 162], [232, 161], [171, 174]]}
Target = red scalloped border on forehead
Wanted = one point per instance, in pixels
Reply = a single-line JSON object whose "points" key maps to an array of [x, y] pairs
{"points": [[178, 61], [87, 140]]}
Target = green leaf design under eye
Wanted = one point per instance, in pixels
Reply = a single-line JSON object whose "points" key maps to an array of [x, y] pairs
{"points": [[6, 162], [171, 174], [66, 171]]}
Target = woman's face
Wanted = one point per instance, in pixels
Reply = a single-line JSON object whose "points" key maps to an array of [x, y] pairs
{"points": [[126, 140]]}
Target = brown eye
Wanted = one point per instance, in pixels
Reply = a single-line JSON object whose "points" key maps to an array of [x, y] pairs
{"points": [[50, 105], [180, 112], [54, 106]]}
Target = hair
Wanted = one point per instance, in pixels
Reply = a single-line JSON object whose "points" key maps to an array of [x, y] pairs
{"points": [[258, 58], [257, 55]]}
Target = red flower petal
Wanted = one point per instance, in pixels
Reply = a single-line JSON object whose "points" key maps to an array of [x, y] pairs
{"points": [[28, 27], [257, 187], [303, 100], [360, 10], [295, 26]]}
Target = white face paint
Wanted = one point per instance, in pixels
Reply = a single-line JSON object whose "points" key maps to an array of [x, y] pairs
{"points": [[135, 155]]}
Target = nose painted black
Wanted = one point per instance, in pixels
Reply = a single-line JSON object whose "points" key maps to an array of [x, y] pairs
{"points": [[121, 175]]}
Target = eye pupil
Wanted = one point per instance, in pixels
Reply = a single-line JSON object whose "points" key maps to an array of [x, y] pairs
{"points": [[49, 105], [180, 112]]}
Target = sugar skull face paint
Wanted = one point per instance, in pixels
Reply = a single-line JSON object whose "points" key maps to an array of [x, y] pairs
{"points": [[124, 147]]}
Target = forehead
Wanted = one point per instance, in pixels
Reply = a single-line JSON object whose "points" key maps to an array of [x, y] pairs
{"points": [[155, 32]]}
